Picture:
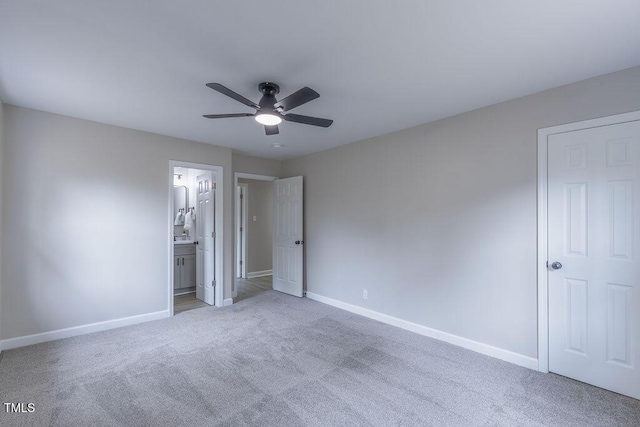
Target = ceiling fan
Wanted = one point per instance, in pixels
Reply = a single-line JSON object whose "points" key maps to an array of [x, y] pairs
{"points": [[269, 109]]}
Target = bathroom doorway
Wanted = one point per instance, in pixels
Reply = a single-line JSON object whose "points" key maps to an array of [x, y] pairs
{"points": [[195, 239]]}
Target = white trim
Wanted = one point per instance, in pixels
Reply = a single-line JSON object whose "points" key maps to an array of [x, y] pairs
{"points": [[219, 237], [262, 273], [242, 205], [228, 302], [488, 350], [236, 176], [170, 238], [254, 176], [543, 283], [219, 227], [81, 330], [543, 309]]}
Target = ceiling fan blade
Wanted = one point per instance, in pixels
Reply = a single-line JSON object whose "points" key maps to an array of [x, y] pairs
{"points": [[296, 99], [231, 94], [307, 120], [271, 130], [226, 116]]}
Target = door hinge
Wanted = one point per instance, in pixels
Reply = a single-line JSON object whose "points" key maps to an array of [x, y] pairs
{"points": [[213, 234], [241, 229], [241, 196], [213, 185], [240, 262]]}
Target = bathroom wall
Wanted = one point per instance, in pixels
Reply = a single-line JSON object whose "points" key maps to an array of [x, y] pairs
{"points": [[184, 180], [190, 180]]}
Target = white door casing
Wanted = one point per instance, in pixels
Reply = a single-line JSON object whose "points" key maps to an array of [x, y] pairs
{"points": [[593, 196], [288, 238], [241, 230], [205, 229]]}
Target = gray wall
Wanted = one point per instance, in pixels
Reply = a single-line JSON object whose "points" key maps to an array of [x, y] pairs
{"points": [[85, 215], [260, 232], [438, 221], [256, 165]]}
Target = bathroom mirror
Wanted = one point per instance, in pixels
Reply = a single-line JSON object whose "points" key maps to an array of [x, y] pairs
{"points": [[180, 199]]}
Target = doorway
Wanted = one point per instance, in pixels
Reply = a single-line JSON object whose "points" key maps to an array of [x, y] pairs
{"points": [[588, 240], [195, 236], [253, 235]]}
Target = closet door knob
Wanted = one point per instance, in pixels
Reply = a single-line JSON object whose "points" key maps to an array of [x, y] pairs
{"points": [[556, 265]]}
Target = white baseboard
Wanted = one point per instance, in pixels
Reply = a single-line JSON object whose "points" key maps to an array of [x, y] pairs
{"points": [[486, 349], [227, 301], [80, 330], [262, 273]]}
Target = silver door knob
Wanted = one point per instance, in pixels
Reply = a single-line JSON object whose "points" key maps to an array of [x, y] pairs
{"points": [[556, 265]]}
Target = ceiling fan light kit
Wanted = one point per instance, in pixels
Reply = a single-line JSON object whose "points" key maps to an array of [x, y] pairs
{"points": [[269, 111], [267, 119]]}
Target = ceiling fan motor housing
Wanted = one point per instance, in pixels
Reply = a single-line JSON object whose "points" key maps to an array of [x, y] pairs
{"points": [[268, 90]]}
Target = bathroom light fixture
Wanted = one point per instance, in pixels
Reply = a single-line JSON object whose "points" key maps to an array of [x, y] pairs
{"points": [[267, 119]]}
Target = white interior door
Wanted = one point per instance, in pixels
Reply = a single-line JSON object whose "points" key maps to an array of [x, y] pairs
{"points": [[205, 232], [287, 236], [594, 235]]}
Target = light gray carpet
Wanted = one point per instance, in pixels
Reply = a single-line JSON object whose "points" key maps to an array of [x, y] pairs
{"points": [[283, 361]]}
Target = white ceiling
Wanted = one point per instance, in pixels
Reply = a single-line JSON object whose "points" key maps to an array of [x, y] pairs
{"points": [[378, 65]]}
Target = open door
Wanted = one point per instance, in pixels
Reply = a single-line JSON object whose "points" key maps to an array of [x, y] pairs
{"points": [[287, 237], [205, 239]]}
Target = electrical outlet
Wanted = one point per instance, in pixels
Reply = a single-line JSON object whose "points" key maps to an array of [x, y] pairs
{"points": [[365, 294]]}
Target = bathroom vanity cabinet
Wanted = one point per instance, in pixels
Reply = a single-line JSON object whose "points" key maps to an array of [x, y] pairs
{"points": [[184, 268]]}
